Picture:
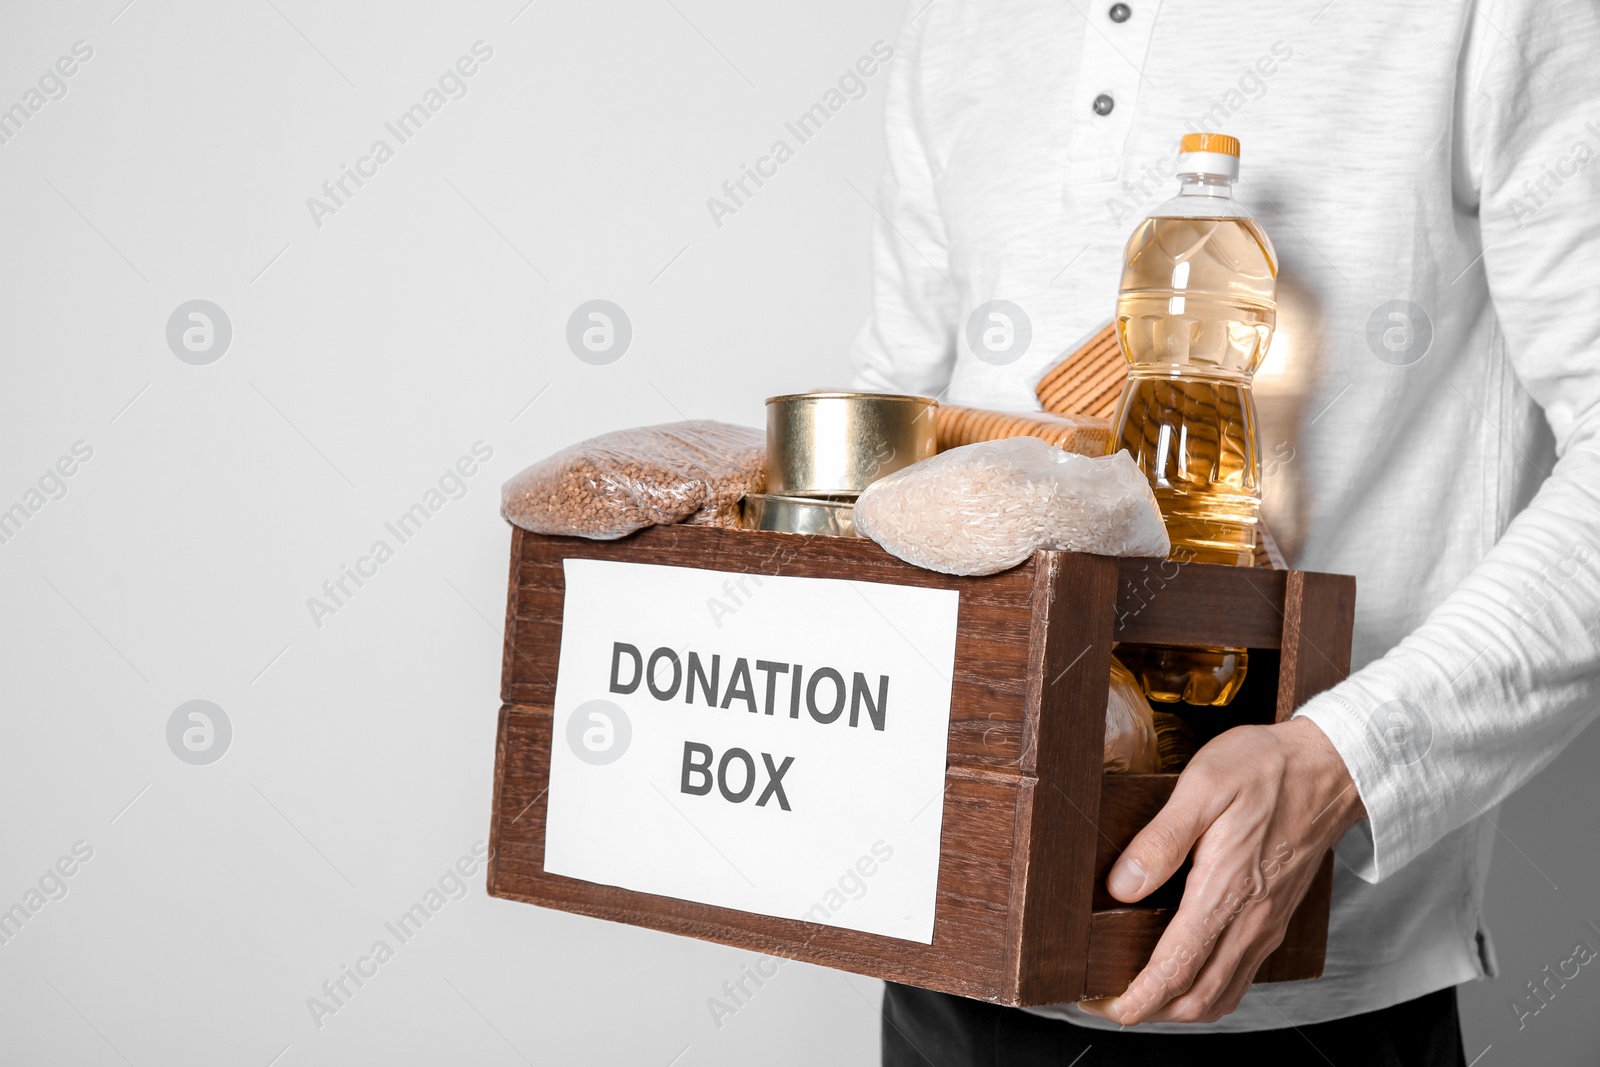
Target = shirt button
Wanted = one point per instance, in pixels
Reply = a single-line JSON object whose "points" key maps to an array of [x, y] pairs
{"points": [[1103, 104], [1120, 12]]}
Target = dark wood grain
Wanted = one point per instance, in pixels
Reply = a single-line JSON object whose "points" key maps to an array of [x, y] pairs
{"points": [[1318, 624], [508, 642], [1127, 802], [1160, 602], [1318, 620], [1031, 825], [1120, 943], [1063, 746], [971, 914], [1122, 940], [992, 640], [1305, 942]]}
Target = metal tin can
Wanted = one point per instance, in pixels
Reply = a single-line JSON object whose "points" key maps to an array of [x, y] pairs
{"points": [[836, 444], [799, 514]]}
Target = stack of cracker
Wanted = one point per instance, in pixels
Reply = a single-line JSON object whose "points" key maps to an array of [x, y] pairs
{"points": [[1088, 382], [1075, 433], [1078, 395]]}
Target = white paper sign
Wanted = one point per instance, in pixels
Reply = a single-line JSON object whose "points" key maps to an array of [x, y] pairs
{"points": [[772, 744]]}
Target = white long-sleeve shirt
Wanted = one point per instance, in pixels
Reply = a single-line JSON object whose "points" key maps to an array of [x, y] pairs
{"points": [[1429, 171]]}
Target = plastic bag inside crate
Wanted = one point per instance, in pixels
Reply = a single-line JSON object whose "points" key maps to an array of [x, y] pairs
{"points": [[985, 508], [609, 486]]}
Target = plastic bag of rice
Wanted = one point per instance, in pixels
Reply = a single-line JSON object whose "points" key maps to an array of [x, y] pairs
{"points": [[609, 486], [984, 508]]}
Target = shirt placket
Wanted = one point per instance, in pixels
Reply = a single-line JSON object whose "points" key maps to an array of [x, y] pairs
{"points": [[1105, 98]]}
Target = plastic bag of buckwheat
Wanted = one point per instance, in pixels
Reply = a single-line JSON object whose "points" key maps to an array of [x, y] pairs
{"points": [[609, 486]]}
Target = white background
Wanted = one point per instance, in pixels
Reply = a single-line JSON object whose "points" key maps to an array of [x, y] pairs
{"points": [[366, 358]]}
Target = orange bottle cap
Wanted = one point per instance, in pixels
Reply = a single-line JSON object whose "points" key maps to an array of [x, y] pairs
{"points": [[1219, 143]]}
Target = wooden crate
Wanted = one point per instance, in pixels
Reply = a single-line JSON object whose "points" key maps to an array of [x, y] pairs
{"points": [[1031, 824]]}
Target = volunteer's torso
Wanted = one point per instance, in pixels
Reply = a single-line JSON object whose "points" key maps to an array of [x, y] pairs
{"points": [[1399, 457]]}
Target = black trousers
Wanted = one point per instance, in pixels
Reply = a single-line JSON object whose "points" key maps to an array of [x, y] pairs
{"points": [[923, 1029]]}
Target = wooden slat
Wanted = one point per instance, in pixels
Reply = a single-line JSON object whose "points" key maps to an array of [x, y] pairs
{"points": [[508, 641], [971, 912], [1063, 745], [1160, 602], [1127, 804], [1120, 943], [1122, 940], [990, 679], [1318, 623], [1305, 942]]}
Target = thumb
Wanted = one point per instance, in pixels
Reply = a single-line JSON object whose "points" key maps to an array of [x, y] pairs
{"points": [[1157, 851]]}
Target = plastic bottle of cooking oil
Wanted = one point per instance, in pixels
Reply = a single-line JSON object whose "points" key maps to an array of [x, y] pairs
{"points": [[1195, 314]]}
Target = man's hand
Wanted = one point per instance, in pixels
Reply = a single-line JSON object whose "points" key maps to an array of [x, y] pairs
{"points": [[1259, 805]]}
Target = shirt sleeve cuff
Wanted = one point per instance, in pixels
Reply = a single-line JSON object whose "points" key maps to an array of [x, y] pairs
{"points": [[1378, 846]]}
